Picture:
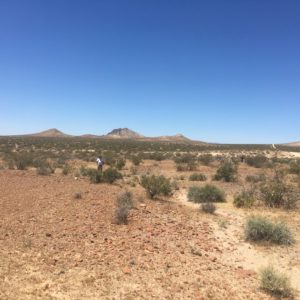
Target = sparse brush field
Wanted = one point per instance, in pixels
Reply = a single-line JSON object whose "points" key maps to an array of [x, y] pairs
{"points": [[162, 221]]}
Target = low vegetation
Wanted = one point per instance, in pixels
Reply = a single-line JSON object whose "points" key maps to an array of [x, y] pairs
{"points": [[156, 185], [227, 171], [245, 198], [260, 229], [208, 207], [257, 161], [207, 193], [197, 177], [277, 193], [275, 283], [124, 203]]}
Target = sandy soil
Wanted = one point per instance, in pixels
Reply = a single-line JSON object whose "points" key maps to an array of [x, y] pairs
{"points": [[53, 246]]}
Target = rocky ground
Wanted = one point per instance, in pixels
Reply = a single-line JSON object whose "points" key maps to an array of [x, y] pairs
{"points": [[53, 246]]}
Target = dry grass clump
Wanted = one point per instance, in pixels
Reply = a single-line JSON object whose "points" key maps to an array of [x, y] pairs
{"points": [[123, 204], [197, 177], [260, 229], [275, 283]]}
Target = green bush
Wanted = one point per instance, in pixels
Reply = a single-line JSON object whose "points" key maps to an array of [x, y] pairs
{"points": [[197, 177], [208, 207], [94, 175], [295, 167], [66, 169], [206, 159], [245, 198], [207, 193], [261, 229], [136, 159], [120, 163], [227, 171], [23, 160], [276, 193], [110, 175], [275, 283], [257, 161], [156, 185]]}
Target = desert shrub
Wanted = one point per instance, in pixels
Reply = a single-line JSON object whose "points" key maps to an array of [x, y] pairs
{"points": [[110, 175], [66, 169], [181, 167], [255, 178], [83, 171], [295, 167], [125, 199], [133, 170], [207, 193], [121, 215], [120, 163], [174, 185], [227, 171], [275, 283], [158, 156], [206, 159], [44, 170], [136, 159], [257, 161], [191, 166], [246, 198], [276, 193], [156, 185], [94, 175], [197, 177], [22, 160], [184, 159], [261, 229], [208, 207]]}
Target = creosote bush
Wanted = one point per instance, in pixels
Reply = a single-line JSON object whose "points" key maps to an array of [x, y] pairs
{"points": [[207, 193], [227, 171], [197, 177], [136, 159], [276, 193], [110, 175], [295, 167], [206, 159], [66, 169], [261, 229], [156, 185], [275, 283], [245, 198], [257, 161]]}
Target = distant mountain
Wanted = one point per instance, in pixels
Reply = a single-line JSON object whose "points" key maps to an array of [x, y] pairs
{"points": [[124, 133], [53, 132]]}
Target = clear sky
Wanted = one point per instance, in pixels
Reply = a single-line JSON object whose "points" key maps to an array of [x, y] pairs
{"points": [[218, 71]]}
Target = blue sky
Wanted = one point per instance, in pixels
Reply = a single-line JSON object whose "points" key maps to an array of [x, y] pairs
{"points": [[218, 71]]}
